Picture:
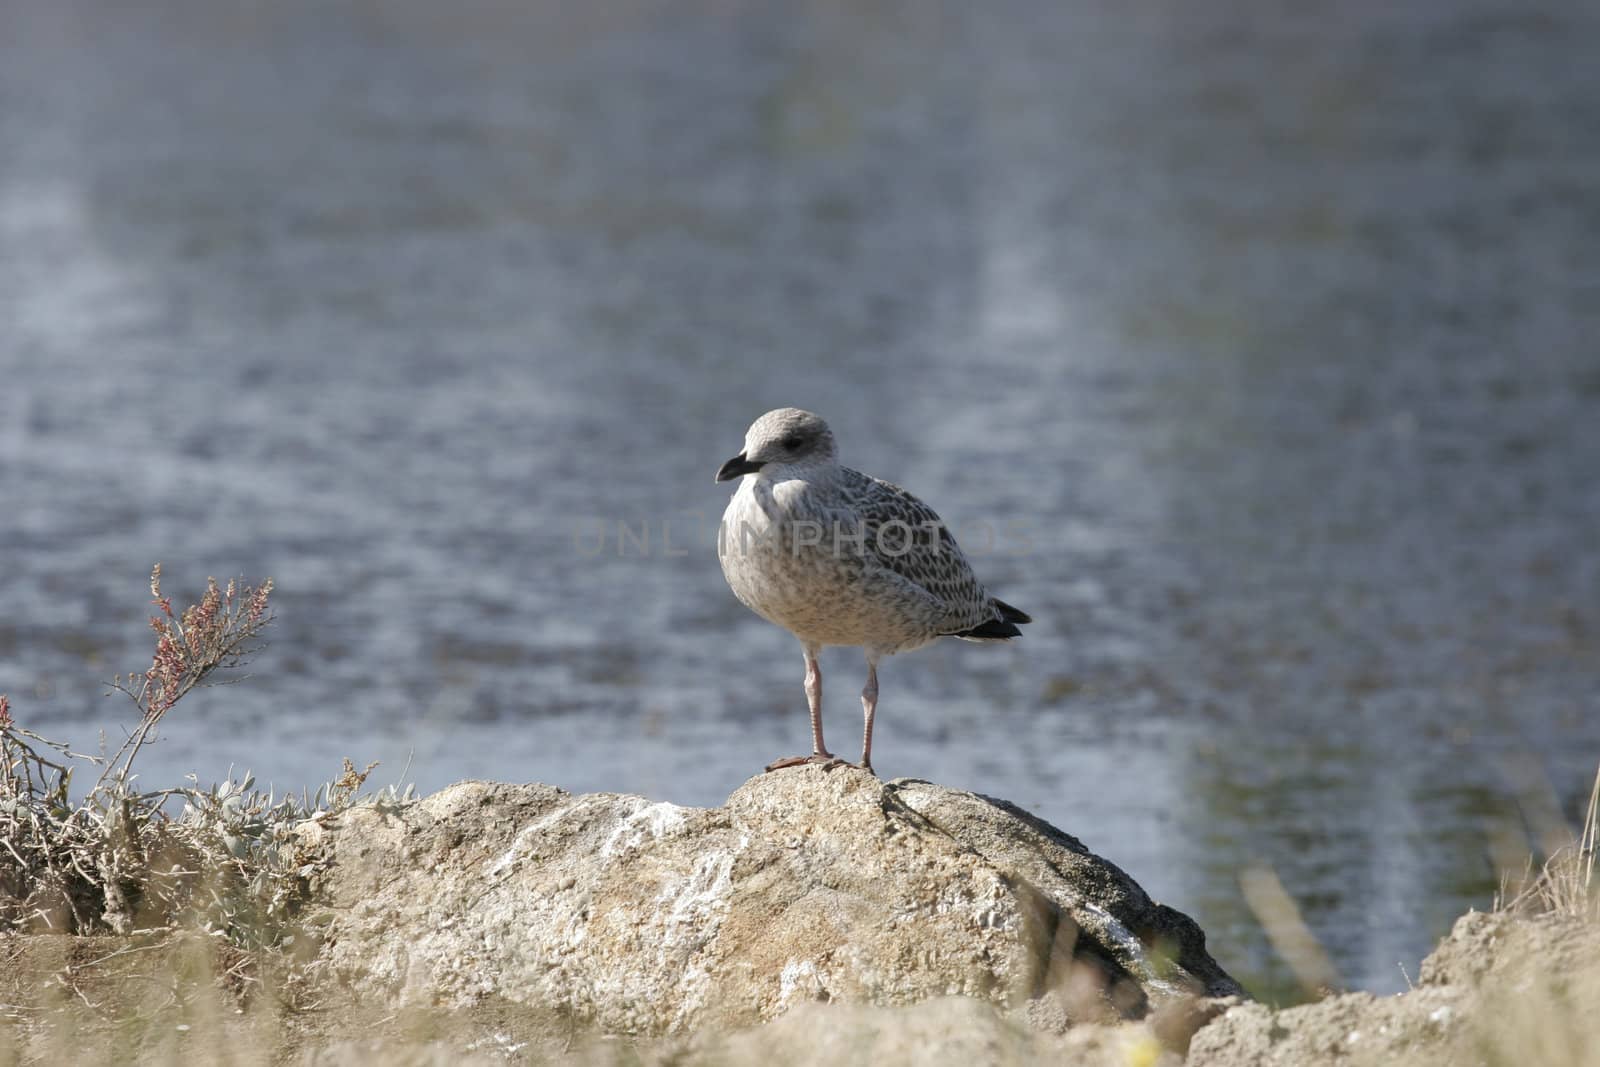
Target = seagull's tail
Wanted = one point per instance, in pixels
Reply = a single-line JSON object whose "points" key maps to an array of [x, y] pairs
{"points": [[1003, 628]]}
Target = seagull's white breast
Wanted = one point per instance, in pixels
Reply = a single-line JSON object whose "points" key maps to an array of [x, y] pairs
{"points": [[781, 559]]}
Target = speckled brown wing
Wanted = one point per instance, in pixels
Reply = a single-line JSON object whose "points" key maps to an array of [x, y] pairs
{"points": [[932, 560]]}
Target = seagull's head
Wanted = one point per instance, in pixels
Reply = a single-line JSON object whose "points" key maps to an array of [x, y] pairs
{"points": [[781, 439]]}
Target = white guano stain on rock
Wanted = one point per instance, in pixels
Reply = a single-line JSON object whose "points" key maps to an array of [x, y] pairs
{"points": [[799, 976], [651, 822], [521, 844], [699, 899]]}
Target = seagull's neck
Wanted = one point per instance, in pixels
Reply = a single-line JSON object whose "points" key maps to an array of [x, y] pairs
{"points": [[811, 472], [777, 490]]}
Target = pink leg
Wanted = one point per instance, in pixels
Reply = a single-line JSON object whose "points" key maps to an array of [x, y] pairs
{"points": [[819, 751], [869, 707]]}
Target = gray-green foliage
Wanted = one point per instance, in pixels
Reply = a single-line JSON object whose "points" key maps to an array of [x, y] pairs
{"points": [[258, 836]]}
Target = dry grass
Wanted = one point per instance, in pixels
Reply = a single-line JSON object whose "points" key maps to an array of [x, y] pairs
{"points": [[1565, 884]]}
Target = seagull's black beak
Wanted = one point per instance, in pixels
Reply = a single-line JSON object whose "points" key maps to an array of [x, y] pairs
{"points": [[736, 466]]}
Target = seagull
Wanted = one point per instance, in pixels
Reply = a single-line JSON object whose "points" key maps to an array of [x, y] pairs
{"points": [[839, 558]]}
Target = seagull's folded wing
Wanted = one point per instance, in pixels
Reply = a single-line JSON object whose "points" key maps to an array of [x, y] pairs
{"points": [[906, 536]]}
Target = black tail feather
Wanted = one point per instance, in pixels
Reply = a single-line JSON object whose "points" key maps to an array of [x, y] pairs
{"points": [[993, 630], [1011, 614]]}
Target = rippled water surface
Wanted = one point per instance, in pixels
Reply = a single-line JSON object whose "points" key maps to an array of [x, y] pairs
{"points": [[1271, 335]]}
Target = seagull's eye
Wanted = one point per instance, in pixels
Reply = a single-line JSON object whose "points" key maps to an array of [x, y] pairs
{"points": [[792, 442]]}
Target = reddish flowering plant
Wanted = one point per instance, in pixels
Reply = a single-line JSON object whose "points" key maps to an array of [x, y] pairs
{"points": [[96, 855], [219, 632]]}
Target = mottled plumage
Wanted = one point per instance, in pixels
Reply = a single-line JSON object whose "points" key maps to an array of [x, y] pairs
{"points": [[837, 557]]}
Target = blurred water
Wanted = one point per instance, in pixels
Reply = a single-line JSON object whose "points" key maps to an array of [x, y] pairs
{"points": [[1272, 331]]}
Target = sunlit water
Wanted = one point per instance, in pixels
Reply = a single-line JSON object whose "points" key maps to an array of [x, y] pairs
{"points": [[1264, 341]]}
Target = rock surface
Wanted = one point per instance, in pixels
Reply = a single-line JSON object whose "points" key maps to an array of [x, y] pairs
{"points": [[943, 1032], [1500, 989], [621, 915]]}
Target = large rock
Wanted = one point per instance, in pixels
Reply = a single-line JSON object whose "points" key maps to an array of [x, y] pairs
{"points": [[636, 917]]}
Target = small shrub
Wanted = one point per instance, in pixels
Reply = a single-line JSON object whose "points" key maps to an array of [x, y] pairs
{"points": [[231, 863]]}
